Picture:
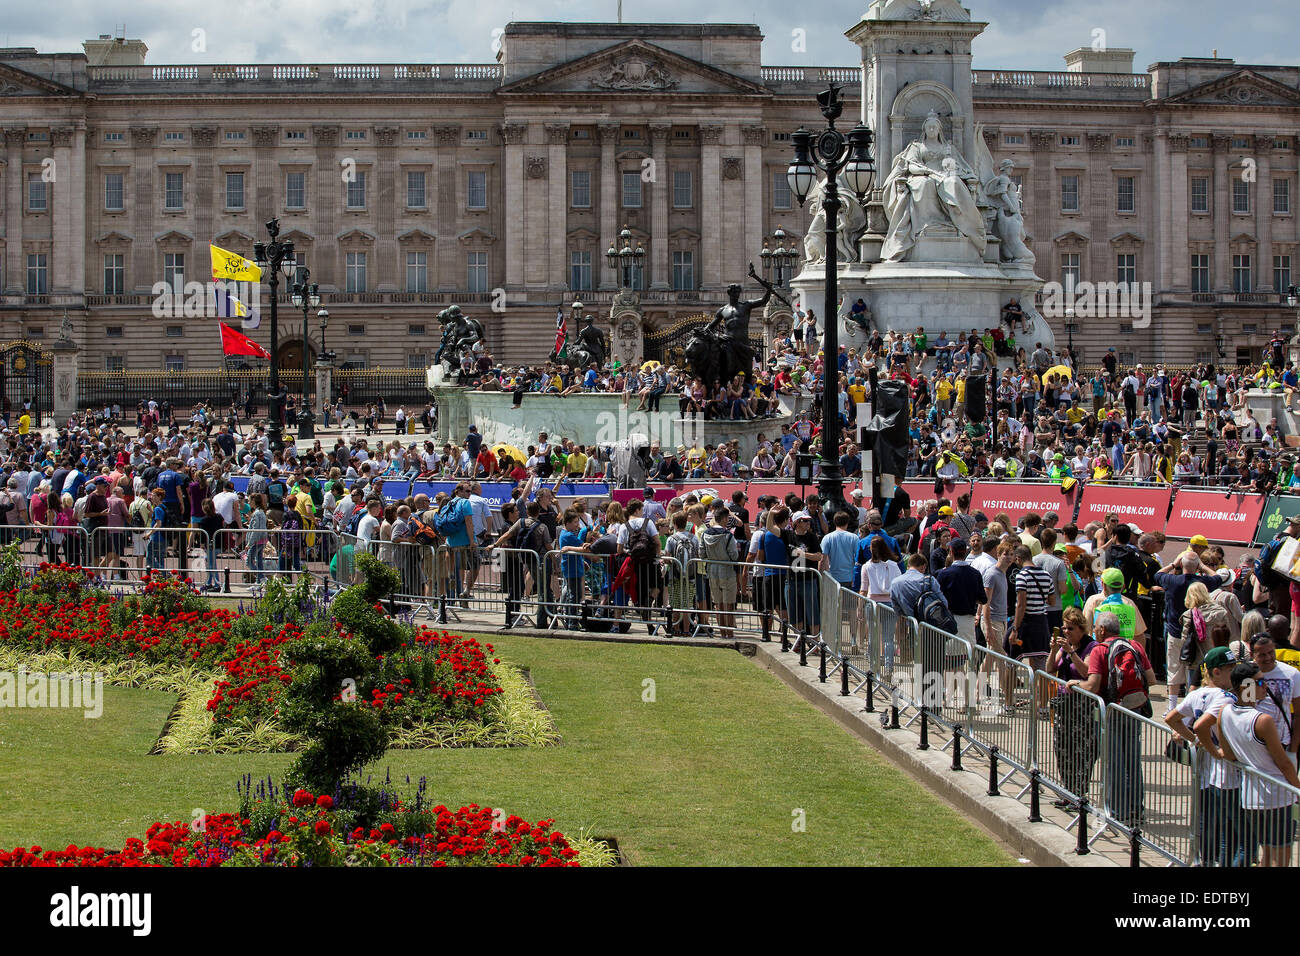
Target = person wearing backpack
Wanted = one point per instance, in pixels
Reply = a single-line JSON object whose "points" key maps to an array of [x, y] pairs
{"points": [[639, 540], [1120, 673], [455, 526], [721, 552], [679, 573]]}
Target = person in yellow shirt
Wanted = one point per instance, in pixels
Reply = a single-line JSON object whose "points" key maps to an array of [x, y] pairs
{"points": [[857, 392], [576, 464], [961, 391], [943, 393], [24, 423], [695, 457], [1074, 414], [307, 512]]}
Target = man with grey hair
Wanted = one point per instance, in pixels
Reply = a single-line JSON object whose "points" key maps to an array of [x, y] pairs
{"points": [[1120, 673], [1176, 585]]}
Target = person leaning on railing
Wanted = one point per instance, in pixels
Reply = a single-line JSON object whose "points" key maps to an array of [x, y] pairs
{"points": [[1075, 722]]}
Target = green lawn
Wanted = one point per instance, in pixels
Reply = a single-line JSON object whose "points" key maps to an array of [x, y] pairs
{"points": [[709, 773]]}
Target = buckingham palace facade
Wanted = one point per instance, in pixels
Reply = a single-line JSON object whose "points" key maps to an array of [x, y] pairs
{"points": [[407, 187]]}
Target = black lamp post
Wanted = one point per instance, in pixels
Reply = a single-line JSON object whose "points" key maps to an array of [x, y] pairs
{"points": [[278, 257], [833, 153], [625, 259], [778, 263]]}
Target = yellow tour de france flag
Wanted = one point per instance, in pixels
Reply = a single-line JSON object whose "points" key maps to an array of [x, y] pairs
{"points": [[230, 265]]}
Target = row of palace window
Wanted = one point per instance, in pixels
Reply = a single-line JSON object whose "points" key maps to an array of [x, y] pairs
{"points": [[476, 196], [1243, 272], [1126, 195], [175, 361], [356, 266]]}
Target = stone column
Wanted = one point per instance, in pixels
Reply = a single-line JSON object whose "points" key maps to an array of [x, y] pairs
{"points": [[204, 139], [14, 273], [1264, 213], [324, 386], [265, 185], [450, 276], [391, 195], [557, 152], [329, 198], [1101, 205], [1177, 273], [1222, 214], [711, 208], [1040, 211], [660, 189], [512, 134], [753, 185], [65, 370], [609, 180], [146, 199], [68, 268]]}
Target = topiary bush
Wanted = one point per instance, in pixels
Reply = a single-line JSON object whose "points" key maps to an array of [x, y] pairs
{"points": [[322, 701]]}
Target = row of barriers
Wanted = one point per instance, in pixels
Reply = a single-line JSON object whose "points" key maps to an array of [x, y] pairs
{"points": [[1112, 775]]}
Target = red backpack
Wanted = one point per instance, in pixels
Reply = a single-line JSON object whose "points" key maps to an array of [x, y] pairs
{"points": [[1124, 683]]}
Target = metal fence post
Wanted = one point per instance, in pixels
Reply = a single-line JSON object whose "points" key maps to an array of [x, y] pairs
{"points": [[871, 696], [1135, 847], [1035, 813], [925, 729], [821, 667], [1081, 846], [956, 747], [993, 773]]}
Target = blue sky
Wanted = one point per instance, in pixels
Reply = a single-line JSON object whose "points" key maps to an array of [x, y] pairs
{"points": [[1022, 34]]}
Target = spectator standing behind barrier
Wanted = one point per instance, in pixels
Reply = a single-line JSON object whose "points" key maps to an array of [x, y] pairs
{"points": [[1076, 726], [1175, 587], [963, 589], [840, 547], [1250, 737], [1119, 672], [1195, 720]]}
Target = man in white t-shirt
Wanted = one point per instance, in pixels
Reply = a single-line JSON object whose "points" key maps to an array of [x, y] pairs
{"points": [[369, 525], [1279, 688], [226, 503]]}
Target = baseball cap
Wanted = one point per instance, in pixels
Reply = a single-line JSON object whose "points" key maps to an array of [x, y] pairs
{"points": [[802, 516], [945, 511], [1294, 519], [1200, 539], [1113, 578], [858, 493], [1218, 657]]}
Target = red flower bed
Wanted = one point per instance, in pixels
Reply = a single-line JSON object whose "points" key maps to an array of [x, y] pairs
{"points": [[311, 830]]}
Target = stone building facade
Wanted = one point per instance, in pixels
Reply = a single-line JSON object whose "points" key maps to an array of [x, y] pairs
{"points": [[409, 186]]}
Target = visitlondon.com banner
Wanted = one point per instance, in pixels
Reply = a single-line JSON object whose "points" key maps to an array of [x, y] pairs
{"points": [[1230, 518]]}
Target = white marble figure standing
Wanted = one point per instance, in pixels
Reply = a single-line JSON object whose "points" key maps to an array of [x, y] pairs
{"points": [[1009, 226], [922, 196]]}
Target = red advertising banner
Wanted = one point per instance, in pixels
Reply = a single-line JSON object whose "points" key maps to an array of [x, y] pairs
{"points": [[920, 491], [1143, 508], [1018, 499], [1230, 519]]}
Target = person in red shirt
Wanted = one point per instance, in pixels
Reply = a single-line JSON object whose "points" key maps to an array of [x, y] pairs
{"points": [[487, 463]]}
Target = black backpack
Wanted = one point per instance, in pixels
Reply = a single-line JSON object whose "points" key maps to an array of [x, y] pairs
{"points": [[641, 544], [930, 610], [529, 539], [1264, 564]]}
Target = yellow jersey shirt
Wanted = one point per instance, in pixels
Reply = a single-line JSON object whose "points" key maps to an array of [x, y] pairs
{"points": [[24, 423]]}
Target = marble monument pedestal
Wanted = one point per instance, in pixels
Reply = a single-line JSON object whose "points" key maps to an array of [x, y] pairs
{"points": [[949, 296]]}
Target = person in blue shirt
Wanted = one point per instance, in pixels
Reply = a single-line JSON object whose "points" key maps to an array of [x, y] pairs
{"points": [[571, 563], [774, 555], [157, 546], [875, 529], [459, 538], [841, 548]]}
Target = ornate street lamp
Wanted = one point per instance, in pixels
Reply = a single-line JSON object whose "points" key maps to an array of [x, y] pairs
{"points": [[833, 153], [778, 263], [626, 258], [277, 257], [305, 296]]}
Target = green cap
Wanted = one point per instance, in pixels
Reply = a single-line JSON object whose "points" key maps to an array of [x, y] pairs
{"points": [[1113, 578], [1218, 657]]}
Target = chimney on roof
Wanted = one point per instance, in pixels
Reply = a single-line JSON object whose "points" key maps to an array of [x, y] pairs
{"points": [[114, 51], [1087, 60]]}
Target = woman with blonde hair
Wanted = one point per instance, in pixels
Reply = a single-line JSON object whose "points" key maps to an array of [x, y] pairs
{"points": [[1204, 625]]}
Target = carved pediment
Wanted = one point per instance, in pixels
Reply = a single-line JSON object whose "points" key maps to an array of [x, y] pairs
{"points": [[476, 236], [1240, 88], [234, 239], [634, 66], [1126, 238], [1071, 239], [297, 236], [113, 239], [356, 235], [937, 10], [1242, 238], [684, 235], [16, 82], [417, 235], [173, 236], [582, 235]]}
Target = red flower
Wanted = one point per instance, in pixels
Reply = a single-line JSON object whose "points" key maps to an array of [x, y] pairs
{"points": [[322, 827], [325, 801]]}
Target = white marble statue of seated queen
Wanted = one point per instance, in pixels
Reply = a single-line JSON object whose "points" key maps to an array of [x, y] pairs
{"points": [[930, 190]]}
